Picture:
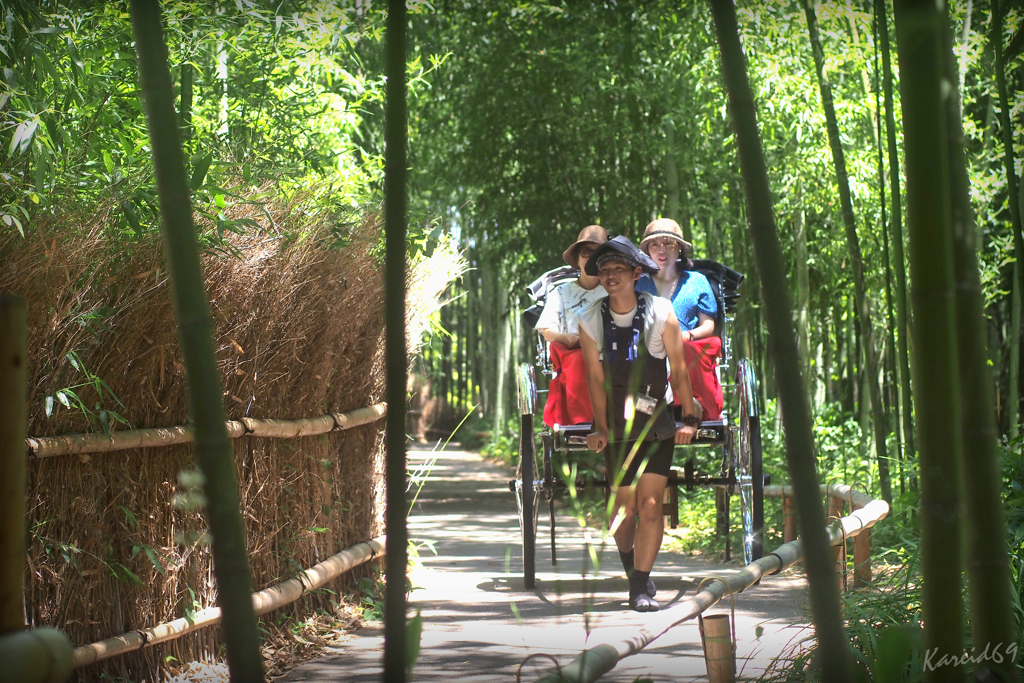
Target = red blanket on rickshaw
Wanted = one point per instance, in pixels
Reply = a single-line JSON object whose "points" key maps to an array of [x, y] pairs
{"points": [[569, 398]]}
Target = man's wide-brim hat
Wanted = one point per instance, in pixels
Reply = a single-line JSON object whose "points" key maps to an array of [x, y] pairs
{"points": [[621, 248], [664, 227], [592, 234]]}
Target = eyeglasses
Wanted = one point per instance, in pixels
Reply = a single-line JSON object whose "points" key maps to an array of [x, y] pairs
{"points": [[584, 252], [665, 244]]}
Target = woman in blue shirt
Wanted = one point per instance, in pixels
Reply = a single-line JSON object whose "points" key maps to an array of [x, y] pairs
{"points": [[695, 308], [689, 291]]}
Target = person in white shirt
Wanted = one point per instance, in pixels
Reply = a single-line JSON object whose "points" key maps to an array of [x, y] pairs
{"points": [[568, 398], [626, 338]]}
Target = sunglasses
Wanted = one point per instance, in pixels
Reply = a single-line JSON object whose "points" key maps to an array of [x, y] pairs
{"points": [[664, 244]]}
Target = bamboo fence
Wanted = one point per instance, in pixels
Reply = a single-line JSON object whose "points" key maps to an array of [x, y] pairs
{"points": [[264, 601], [77, 444], [596, 661]]}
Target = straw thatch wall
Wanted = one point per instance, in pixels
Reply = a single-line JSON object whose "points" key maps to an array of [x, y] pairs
{"points": [[299, 333]]}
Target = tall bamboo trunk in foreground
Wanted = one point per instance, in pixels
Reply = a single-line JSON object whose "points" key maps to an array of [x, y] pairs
{"points": [[819, 561], [896, 236], [213, 449], [988, 566], [395, 204], [919, 32], [853, 244], [1013, 402]]}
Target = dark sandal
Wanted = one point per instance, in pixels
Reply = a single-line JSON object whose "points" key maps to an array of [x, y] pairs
{"points": [[643, 603]]}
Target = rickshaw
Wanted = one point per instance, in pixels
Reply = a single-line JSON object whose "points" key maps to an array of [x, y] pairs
{"points": [[736, 436]]}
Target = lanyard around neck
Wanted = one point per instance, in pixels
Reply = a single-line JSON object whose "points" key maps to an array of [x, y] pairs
{"points": [[610, 336]]}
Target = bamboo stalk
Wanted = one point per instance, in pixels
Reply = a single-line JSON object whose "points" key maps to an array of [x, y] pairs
{"points": [[13, 383], [775, 296], [919, 31], [213, 450], [896, 235], [267, 600], [1009, 165], [73, 444], [988, 565], [863, 308], [598, 660], [395, 352]]}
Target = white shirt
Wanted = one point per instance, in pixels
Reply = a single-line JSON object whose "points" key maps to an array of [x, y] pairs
{"points": [[564, 302], [655, 316]]}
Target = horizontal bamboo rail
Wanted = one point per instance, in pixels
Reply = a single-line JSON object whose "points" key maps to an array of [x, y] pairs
{"points": [[75, 444], [264, 601], [596, 661]]}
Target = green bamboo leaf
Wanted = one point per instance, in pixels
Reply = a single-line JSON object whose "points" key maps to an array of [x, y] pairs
{"points": [[73, 359], [108, 161], [49, 406], [219, 201], [414, 630], [200, 166], [62, 396], [23, 135]]}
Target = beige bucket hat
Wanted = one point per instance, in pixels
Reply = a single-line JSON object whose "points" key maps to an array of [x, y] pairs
{"points": [[664, 227], [593, 234]]}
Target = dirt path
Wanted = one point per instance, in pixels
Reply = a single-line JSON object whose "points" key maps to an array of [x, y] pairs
{"points": [[480, 622]]}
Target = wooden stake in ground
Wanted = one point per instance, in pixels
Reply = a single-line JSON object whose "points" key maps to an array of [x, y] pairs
{"points": [[213, 449], [395, 637], [919, 32], [828, 622]]}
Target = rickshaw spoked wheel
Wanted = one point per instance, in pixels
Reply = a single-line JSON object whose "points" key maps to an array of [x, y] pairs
{"points": [[747, 463]]}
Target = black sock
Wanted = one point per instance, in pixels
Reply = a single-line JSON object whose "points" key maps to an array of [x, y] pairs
{"points": [[638, 583], [627, 561]]}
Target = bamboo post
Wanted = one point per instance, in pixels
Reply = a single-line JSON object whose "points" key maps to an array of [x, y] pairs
{"points": [[41, 655], [718, 648], [213, 449], [788, 519], [862, 556], [835, 509], [396, 649], [13, 340]]}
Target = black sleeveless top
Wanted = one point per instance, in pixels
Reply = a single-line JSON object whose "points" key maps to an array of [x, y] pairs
{"points": [[630, 369]]}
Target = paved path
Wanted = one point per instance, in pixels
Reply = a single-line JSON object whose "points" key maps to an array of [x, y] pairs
{"points": [[480, 622]]}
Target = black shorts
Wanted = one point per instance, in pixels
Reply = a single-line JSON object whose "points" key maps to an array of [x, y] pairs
{"points": [[654, 456]]}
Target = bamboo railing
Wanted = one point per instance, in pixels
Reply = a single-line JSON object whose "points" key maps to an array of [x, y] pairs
{"points": [[264, 601], [596, 661], [76, 444]]}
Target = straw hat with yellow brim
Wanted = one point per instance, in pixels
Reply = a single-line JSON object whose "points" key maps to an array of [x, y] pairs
{"points": [[664, 227], [592, 234]]}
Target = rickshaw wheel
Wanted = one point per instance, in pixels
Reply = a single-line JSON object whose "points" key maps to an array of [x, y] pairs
{"points": [[747, 463], [527, 500]]}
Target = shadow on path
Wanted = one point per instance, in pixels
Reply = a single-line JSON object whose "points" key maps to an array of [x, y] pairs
{"points": [[480, 623]]}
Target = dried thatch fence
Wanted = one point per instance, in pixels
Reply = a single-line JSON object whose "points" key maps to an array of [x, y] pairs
{"points": [[299, 333]]}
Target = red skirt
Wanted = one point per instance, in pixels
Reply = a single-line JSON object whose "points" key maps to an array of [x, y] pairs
{"points": [[568, 395], [701, 357]]}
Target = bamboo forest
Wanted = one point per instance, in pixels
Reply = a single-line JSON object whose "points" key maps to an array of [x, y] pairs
{"points": [[314, 359]]}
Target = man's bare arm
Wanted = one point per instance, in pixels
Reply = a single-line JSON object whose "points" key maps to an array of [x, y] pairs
{"points": [[673, 339]]}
